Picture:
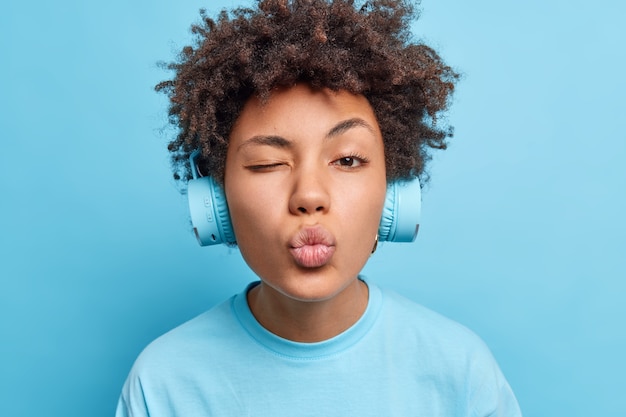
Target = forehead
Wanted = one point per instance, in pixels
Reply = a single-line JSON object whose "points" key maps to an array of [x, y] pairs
{"points": [[301, 109]]}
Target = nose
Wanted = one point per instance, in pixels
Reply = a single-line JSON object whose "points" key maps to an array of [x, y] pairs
{"points": [[310, 194]]}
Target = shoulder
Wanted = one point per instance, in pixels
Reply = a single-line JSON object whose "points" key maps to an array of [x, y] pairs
{"points": [[192, 355], [185, 343], [429, 327], [440, 346], [431, 341]]}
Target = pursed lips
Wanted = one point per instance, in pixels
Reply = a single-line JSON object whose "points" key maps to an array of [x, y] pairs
{"points": [[312, 247]]}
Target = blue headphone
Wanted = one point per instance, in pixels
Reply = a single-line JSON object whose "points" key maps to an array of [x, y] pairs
{"points": [[212, 225]]}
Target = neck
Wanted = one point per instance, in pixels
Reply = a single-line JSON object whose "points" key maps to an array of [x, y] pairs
{"points": [[308, 321]]}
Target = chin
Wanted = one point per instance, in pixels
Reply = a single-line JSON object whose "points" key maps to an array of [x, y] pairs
{"points": [[313, 285]]}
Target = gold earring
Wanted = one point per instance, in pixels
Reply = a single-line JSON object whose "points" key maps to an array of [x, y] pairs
{"points": [[375, 244]]}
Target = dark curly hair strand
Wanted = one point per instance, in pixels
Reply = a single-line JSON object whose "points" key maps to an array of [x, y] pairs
{"points": [[327, 43]]}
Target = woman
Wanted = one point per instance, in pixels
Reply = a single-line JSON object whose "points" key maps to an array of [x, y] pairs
{"points": [[304, 111]]}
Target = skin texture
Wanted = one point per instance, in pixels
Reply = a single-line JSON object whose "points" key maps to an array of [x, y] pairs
{"points": [[305, 182]]}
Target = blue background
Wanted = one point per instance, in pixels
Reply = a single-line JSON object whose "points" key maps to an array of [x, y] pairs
{"points": [[523, 234]]}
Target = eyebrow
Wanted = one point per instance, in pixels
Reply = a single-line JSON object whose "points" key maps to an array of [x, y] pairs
{"points": [[270, 140], [280, 142], [346, 125]]}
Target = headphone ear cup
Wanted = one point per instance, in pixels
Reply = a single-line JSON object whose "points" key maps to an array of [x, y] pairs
{"points": [[401, 213], [209, 212]]}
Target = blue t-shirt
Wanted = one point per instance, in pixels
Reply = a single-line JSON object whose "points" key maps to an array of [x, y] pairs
{"points": [[398, 359]]}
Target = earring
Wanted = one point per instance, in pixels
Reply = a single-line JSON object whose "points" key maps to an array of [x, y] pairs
{"points": [[375, 244]]}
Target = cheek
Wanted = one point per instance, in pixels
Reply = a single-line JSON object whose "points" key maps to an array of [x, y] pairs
{"points": [[253, 212], [360, 218], [362, 204]]}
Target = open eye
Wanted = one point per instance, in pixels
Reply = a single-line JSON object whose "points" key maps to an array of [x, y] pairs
{"points": [[350, 161]]}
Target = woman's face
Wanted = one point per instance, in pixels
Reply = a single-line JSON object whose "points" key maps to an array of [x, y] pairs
{"points": [[305, 184]]}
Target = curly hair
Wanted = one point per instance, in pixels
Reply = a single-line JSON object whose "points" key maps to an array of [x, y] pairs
{"points": [[332, 44]]}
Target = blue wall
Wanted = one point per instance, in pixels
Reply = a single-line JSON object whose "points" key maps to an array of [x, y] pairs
{"points": [[523, 235]]}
